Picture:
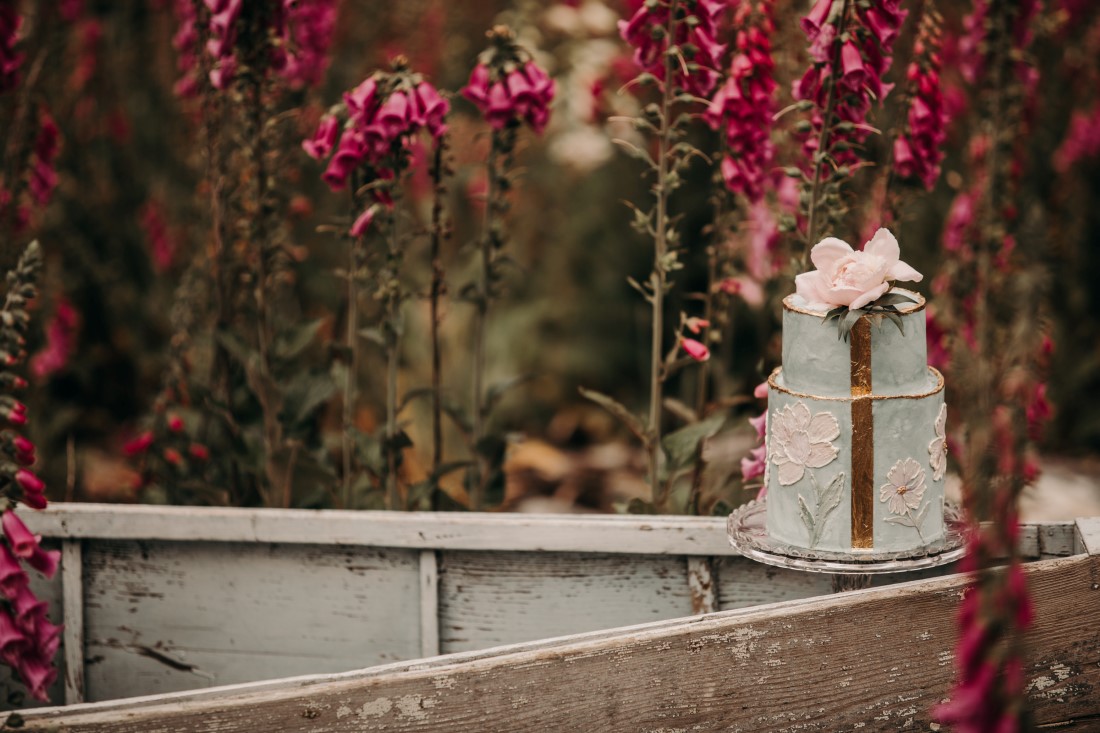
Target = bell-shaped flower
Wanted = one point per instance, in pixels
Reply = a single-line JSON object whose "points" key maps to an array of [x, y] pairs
{"points": [[20, 539], [323, 141]]}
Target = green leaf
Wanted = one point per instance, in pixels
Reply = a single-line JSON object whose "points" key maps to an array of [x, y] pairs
{"points": [[848, 322], [896, 320], [289, 344], [616, 408], [234, 346], [640, 506], [682, 446], [635, 152], [894, 298], [805, 514], [827, 502], [305, 394], [836, 313]]}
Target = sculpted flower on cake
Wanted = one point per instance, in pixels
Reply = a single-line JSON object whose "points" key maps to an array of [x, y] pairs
{"points": [[854, 278], [800, 441], [904, 489], [937, 449]]}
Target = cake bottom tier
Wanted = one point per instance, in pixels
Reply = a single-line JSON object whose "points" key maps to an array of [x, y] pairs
{"points": [[856, 473]]}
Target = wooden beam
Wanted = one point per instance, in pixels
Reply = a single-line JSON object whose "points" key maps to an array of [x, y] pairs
{"points": [[72, 611], [621, 534], [1088, 535], [880, 658], [429, 604]]}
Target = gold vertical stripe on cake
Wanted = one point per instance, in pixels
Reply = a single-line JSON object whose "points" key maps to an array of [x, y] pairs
{"points": [[863, 437]]}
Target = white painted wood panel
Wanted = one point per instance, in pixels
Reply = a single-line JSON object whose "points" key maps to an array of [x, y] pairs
{"points": [[164, 616], [743, 583], [487, 599]]}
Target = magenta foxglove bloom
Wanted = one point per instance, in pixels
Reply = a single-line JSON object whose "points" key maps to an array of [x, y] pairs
{"points": [[1082, 140], [754, 464], [44, 561], [60, 343], [362, 222], [12, 576], [43, 176], [918, 151], [140, 444], [864, 58], [379, 123], [10, 59], [20, 539], [646, 32], [310, 25], [522, 95], [744, 104], [695, 349], [322, 142]]}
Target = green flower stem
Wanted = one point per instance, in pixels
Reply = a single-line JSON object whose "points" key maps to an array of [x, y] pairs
{"points": [[436, 294], [393, 307], [351, 371], [660, 273]]}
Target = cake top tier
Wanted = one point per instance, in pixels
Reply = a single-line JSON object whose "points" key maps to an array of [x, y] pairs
{"points": [[818, 361]]}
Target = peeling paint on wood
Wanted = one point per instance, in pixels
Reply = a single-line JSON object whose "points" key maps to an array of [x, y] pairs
{"points": [[164, 616], [487, 599], [876, 659], [702, 582]]}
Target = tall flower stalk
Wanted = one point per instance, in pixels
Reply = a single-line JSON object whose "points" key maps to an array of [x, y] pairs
{"points": [[998, 357], [851, 46], [675, 47], [28, 641], [369, 136], [512, 92]]}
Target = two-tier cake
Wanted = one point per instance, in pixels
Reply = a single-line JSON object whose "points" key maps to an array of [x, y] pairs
{"points": [[856, 417]]}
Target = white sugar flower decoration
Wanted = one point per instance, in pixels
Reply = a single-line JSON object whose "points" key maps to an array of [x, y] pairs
{"points": [[937, 449], [800, 441], [905, 489], [854, 278]]}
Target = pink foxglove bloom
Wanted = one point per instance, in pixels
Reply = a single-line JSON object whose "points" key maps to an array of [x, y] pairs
{"points": [[20, 539], [199, 452], [43, 176], [863, 59], [310, 26], [10, 59], [186, 43], [853, 278], [754, 464], [320, 145], [44, 561], [1082, 140], [695, 349], [162, 248], [646, 34], [175, 423], [60, 342], [12, 575], [140, 444], [521, 95], [380, 123], [362, 223], [744, 104], [696, 325], [919, 150]]}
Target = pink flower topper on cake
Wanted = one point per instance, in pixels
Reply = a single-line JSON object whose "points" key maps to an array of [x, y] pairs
{"points": [[854, 278]]}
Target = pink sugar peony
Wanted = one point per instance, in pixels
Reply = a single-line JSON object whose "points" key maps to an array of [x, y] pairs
{"points": [[850, 277]]}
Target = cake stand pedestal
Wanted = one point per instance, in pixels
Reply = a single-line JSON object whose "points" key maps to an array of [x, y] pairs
{"points": [[850, 570]]}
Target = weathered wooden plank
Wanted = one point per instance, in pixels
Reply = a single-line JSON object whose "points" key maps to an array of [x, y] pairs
{"points": [[1056, 539], [163, 616], [1087, 535], [876, 659], [11, 692], [72, 604], [488, 599], [672, 535], [429, 604], [743, 583]]}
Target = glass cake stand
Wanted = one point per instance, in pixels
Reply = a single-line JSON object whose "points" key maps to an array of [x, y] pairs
{"points": [[749, 536]]}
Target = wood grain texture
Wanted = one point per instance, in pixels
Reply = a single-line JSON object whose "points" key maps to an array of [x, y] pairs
{"points": [[743, 583], [488, 599], [1087, 535], [625, 534], [429, 603], [163, 616], [877, 659], [702, 583], [72, 606]]}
